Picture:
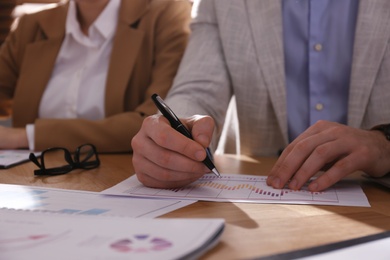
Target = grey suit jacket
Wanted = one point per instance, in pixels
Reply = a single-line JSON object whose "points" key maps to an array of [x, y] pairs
{"points": [[236, 50]]}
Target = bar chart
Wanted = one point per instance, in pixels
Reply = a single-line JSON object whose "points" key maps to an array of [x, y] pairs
{"points": [[246, 188]]}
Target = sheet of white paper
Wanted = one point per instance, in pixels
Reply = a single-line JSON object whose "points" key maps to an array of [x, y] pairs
{"points": [[246, 188], [44, 236], [83, 202], [10, 158], [378, 250]]}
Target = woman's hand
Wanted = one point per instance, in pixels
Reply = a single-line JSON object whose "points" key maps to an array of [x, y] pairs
{"points": [[13, 138]]}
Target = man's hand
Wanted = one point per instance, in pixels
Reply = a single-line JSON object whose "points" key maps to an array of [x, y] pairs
{"points": [[337, 149], [165, 158]]}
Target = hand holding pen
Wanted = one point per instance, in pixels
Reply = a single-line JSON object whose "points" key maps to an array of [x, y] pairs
{"points": [[177, 125]]}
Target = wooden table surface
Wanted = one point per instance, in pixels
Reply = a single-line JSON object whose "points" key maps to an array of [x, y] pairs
{"points": [[252, 230]]}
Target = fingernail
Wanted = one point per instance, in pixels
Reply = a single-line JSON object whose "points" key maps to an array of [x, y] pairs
{"points": [[293, 184], [200, 155]]}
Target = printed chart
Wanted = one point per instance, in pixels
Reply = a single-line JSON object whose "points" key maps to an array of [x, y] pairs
{"points": [[26, 235], [246, 188], [82, 202], [143, 243]]}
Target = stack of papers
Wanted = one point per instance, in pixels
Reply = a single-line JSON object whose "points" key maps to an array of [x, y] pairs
{"points": [[52, 223], [38, 235]]}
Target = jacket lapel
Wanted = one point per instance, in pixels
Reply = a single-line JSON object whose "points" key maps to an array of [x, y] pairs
{"points": [[371, 39], [38, 63], [266, 22], [127, 43]]}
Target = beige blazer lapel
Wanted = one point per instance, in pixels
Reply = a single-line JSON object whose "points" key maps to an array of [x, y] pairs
{"points": [[371, 39], [127, 43], [266, 22], [39, 60]]}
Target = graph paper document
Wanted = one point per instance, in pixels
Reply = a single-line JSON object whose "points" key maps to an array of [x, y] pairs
{"points": [[83, 203], [246, 188], [47, 236]]}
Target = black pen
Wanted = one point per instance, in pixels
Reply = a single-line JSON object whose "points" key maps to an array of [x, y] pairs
{"points": [[176, 124]]}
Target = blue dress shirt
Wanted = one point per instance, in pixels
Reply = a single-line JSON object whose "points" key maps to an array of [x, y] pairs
{"points": [[318, 44]]}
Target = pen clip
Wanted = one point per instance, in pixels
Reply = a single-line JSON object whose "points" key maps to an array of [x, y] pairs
{"points": [[170, 115], [166, 108], [166, 111]]}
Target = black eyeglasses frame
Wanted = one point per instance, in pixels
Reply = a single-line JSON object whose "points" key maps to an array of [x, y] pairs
{"points": [[73, 162]]}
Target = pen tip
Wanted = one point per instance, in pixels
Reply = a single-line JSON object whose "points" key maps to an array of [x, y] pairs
{"points": [[215, 171]]}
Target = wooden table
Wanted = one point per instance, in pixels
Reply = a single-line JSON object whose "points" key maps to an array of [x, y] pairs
{"points": [[252, 230]]}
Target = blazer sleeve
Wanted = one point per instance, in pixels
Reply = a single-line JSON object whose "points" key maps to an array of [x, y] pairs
{"points": [[203, 85]]}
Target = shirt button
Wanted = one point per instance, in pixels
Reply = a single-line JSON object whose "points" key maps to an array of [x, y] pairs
{"points": [[318, 47], [319, 106]]}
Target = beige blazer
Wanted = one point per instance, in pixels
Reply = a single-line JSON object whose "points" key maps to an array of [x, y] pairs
{"points": [[149, 42], [236, 49]]}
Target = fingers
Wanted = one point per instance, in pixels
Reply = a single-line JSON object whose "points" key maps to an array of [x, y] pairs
{"points": [[202, 128], [335, 173], [321, 144], [339, 149], [165, 158], [303, 157], [160, 156], [157, 129], [166, 178]]}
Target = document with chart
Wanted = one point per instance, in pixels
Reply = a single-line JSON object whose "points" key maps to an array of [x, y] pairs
{"points": [[246, 188], [26, 235], [75, 202]]}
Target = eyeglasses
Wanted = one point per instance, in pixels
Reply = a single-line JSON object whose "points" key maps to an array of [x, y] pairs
{"points": [[85, 157]]}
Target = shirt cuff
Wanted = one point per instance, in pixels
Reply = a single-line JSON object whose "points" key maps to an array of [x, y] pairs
{"points": [[30, 129]]}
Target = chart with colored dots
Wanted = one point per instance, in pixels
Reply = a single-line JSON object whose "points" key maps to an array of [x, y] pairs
{"points": [[26, 235], [246, 188]]}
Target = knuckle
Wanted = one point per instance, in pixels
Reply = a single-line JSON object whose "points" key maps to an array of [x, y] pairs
{"points": [[321, 151], [338, 131], [301, 146], [288, 149], [165, 175], [365, 152], [186, 148], [148, 122], [135, 143], [162, 138], [141, 178], [321, 123], [342, 164], [164, 159]]}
